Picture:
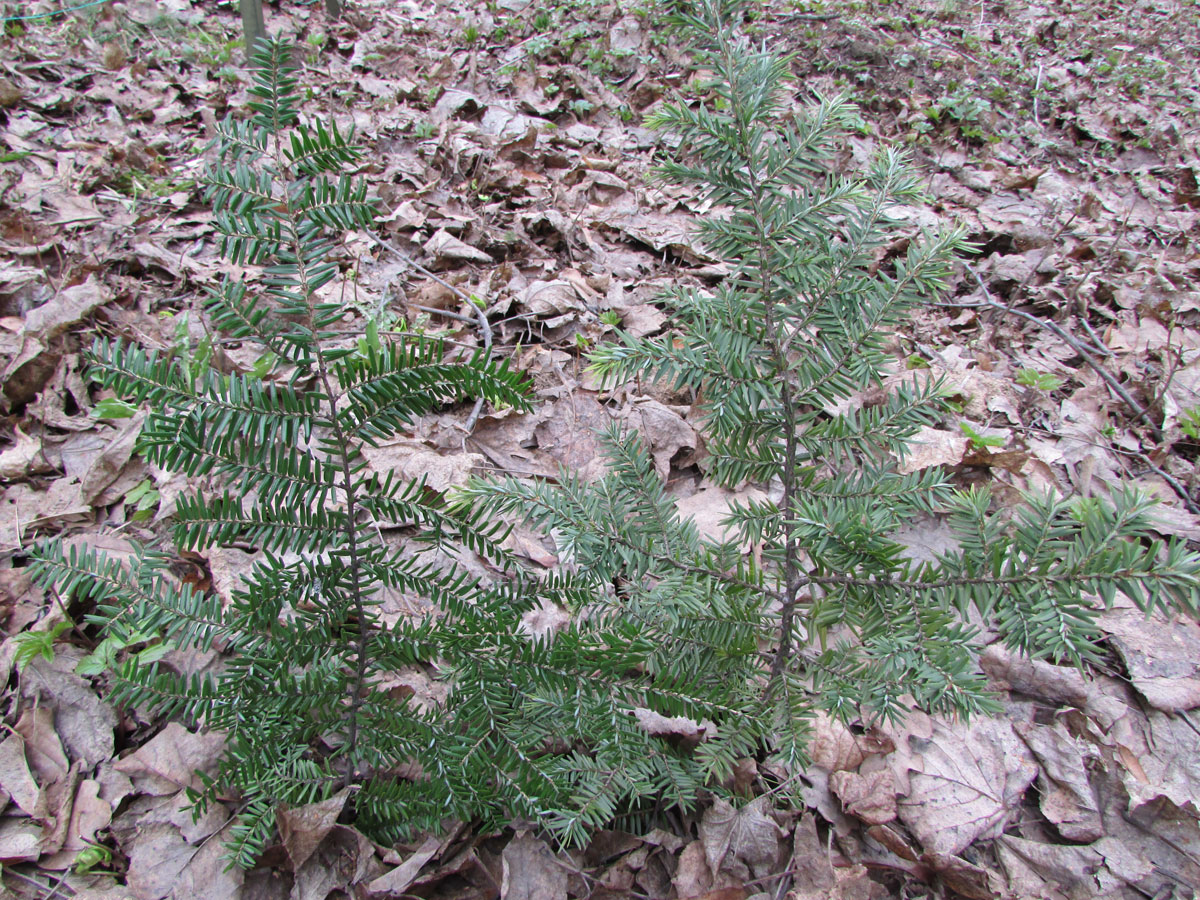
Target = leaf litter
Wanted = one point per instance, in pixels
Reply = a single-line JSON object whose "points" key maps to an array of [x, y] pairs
{"points": [[513, 165]]}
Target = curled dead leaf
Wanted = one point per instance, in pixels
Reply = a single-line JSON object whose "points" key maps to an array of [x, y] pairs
{"points": [[678, 730], [23, 458], [544, 621], [870, 797]]}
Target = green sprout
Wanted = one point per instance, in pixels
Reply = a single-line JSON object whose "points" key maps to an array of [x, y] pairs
{"points": [[1042, 381], [980, 441]]}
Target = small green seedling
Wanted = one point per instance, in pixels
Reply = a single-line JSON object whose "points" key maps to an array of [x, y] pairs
{"points": [[143, 498], [264, 365], [980, 441], [114, 408], [1042, 381], [104, 657], [90, 857], [32, 644], [1189, 421]]}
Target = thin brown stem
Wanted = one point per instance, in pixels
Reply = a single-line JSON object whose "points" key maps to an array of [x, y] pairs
{"points": [[776, 341], [343, 462]]}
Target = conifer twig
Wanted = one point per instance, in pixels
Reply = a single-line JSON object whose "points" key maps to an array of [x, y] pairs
{"points": [[485, 327]]}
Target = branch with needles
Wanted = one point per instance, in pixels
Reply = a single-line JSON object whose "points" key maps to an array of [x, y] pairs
{"points": [[480, 318]]}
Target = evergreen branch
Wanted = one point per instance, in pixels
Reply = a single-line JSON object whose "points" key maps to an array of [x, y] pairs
{"points": [[227, 403], [130, 600], [224, 520], [282, 475], [315, 150]]}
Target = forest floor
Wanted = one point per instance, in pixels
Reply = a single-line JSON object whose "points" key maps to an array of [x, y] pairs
{"points": [[507, 149]]}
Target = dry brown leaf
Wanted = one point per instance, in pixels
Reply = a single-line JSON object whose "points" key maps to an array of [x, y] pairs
{"points": [[1062, 684], [25, 510], [208, 874], [42, 746], [10, 94], [68, 307], [1169, 762], [90, 814], [833, 746], [729, 893], [664, 429], [20, 841], [709, 507], [660, 232], [17, 780], [301, 830], [925, 538], [981, 394], [82, 720], [1049, 870], [549, 298], [157, 859], [643, 319], [964, 783], [161, 835], [891, 839], [110, 475], [692, 878], [21, 602], [1161, 654], [23, 458], [228, 567], [1065, 794], [399, 879], [870, 797], [1168, 519], [932, 447], [815, 877], [109, 892], [544, 621], [454, 102], [411, 460], [750, 834], [531, 96], [678, 729], [57, 799], [964, 878], [568, 432], [445, 248], [531, 545], [530, 871], [169, 761], [415, 685]]}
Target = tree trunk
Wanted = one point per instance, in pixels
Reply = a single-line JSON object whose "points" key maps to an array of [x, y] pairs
{"points": [[252, 23]]}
